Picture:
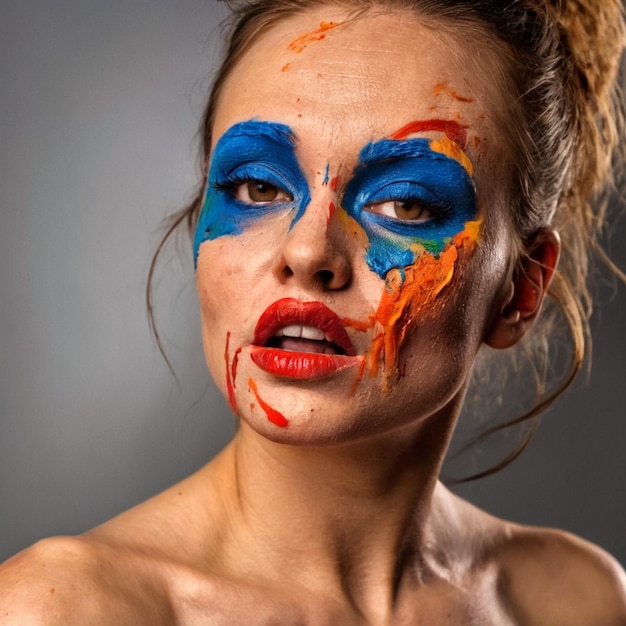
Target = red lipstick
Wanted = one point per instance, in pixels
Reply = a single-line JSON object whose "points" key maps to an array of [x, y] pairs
{"points": [[301, 340]]}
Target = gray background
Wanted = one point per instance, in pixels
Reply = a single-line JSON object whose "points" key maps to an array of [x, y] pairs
{"points": [[99, 108]]}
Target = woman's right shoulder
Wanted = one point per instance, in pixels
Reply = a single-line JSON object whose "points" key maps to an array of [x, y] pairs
{"points": [[72, 580]]}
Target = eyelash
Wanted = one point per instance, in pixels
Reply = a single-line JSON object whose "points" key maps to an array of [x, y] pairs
{"points": [[234, 182]]}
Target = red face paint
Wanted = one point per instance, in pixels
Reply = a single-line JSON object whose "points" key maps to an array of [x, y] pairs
{"points": [[231, 371], [453, 130], [331, 212], [273, 415]]}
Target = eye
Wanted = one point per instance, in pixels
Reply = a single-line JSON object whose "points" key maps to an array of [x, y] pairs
{"points": [[405, 210], [260, 192]]}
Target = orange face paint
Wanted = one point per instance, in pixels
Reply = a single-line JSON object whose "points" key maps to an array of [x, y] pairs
{"points": [[408, 293], [299, 44], [443, 88]]}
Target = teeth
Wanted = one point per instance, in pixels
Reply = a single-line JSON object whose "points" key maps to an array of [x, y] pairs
{"points": [[306, 332]]}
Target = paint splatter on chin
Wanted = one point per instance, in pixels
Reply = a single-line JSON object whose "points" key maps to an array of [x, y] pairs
{"points": [[273, 415]]}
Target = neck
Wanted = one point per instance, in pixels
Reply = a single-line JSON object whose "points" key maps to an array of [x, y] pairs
{"points": [[354, 517]]}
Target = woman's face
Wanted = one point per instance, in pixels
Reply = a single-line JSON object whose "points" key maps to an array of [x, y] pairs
{"points": [[353, 247]]}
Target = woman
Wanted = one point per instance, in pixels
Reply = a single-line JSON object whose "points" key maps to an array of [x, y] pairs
{"points": [[387, 186]]}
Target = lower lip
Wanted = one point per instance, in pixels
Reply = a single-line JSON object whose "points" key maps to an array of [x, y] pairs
{"points": [[301, 365]]}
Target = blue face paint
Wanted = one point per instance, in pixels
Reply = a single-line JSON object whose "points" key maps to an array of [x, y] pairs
{"points": [[251, 151], [326, 175], [408, 171]]}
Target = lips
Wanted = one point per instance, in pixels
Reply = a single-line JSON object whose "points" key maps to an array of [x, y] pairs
{"points": [[301, 340]]}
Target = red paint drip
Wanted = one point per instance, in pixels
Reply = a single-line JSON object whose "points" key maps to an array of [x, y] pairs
{"points": [[331, 212], [272, 414], [454, 131], [333, 183], [233, 367], [230, 374]]}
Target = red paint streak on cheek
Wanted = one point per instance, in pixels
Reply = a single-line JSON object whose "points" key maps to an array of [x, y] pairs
{"points": [[231, 370], [272, 414], [454, 130], [333, 183]]}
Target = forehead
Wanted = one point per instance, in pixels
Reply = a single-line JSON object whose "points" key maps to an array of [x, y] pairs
{"points": [[339, 80]]}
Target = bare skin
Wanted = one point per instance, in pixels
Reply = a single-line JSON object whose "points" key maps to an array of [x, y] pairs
{"points": [[254, 564], [338, 518]]}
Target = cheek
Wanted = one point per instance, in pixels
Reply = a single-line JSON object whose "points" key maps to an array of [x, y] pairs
{"points": [[221, 296], [410, 299]]}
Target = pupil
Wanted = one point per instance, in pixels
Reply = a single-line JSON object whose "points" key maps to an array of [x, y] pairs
{"points": [[262, 192]]}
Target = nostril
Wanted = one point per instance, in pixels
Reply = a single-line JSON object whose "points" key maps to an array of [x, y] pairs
{"points": [[325, 276]]}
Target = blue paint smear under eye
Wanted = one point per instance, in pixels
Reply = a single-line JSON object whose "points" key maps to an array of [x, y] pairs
{"points": [[408, 170], [250, 151]]}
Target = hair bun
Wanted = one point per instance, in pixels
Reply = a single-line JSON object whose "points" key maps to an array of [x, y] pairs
{"points": [[593, 30]]}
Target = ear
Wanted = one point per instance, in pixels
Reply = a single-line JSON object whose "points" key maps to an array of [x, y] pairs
{"points": [[526, 291]]}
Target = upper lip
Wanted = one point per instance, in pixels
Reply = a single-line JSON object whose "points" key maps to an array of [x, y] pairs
{"points": [[291, 312]]}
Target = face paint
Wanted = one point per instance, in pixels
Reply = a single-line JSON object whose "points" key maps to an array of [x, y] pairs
{"points": [[452, 129], [251, 152], [326, 174], [273, 415], [443, 88], [415, 257], [409, 172], [299, 44], [408, 293], [231, 373]]}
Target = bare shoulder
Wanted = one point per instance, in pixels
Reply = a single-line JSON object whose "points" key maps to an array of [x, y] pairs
{"points": [[72, 580], [553, 577]]}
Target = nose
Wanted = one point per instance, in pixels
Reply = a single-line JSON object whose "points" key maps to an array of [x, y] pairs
{"points": [[315, 252]]}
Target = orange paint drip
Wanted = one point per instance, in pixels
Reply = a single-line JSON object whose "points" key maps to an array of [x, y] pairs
{"points": [[408, 293], [272, 414], [356, 324], [443, 88], [230, 374], [285, 67], [299, 44]]}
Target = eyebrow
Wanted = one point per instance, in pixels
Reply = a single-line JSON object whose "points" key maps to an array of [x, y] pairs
{"points": [[452, 129]]}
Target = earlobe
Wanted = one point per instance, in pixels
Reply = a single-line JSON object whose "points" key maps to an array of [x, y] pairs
{"points": [[527, 289]]}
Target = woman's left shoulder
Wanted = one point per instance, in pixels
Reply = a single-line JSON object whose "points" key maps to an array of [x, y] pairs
{"points": [[552, 577]]}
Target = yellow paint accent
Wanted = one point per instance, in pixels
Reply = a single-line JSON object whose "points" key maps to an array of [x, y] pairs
{"points": [[446, 146]]}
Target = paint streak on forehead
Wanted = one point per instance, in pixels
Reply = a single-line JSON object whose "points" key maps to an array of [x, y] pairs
{"points": [[300, 43]]}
